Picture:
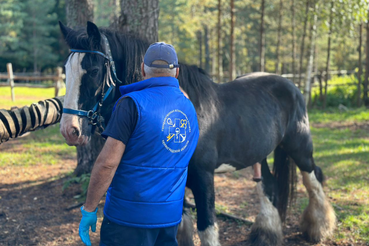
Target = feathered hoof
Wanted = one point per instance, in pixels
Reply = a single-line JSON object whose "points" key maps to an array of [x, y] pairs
{"points": [[260, 236], [210, 237], [319, 223], [185, 230]]}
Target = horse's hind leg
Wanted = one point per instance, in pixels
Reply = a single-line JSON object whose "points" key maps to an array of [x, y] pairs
{"points": [[318, 220], [267, 229]]}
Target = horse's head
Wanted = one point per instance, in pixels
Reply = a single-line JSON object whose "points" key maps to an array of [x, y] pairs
{"points": [[88, 78]]}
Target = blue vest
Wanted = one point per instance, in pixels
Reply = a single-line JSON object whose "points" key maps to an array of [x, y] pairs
{"points": [[148, 187]]}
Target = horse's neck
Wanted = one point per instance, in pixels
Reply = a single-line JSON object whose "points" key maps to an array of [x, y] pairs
{"points": [[128, 57], [204, 100]]}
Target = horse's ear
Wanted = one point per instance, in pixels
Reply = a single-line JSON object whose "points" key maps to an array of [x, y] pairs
{"points": [[93, 33], [64, 29]]}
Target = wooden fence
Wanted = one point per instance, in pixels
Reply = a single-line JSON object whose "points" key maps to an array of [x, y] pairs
{"points": [[58, 79]]}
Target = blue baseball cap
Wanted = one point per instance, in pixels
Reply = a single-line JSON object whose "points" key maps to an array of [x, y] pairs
{"points": [[161, 51]]}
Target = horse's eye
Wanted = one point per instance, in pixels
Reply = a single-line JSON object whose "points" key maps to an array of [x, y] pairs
{"points": [[93, 72]]}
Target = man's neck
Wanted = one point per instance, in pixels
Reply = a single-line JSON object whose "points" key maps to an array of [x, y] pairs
{"points": [[156, 76]]}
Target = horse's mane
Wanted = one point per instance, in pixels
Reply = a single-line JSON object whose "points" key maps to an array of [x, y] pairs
{"points": [[130, 49], [198, 85], [127, 47]]}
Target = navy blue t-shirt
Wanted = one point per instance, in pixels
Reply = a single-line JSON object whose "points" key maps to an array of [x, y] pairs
{"points": [[123, 121]]}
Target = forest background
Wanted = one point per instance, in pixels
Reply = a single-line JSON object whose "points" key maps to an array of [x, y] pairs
{"points": [[226, 38]]}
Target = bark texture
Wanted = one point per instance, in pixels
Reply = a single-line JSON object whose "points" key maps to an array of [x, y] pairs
{"points": [[293, 41], [140, 17], [262, 38], [366, 81], [277, 65], [309, 70], [87, 154], [360, 65], [232, 60], [79, 12], [328, 55], [303, 42], [207, 49], [219, 44]]}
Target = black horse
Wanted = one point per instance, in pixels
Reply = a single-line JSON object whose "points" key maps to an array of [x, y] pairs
{"points": [[241, 122]]}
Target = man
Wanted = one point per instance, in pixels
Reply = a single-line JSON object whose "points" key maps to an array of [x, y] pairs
{"points": [[151, 137]]}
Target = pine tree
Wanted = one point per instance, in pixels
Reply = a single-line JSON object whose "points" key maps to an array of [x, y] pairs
{"points": [[36, 42]]}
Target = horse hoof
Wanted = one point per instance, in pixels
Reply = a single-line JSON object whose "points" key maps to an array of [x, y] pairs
{"points": [[267, 229], [210, 237], [318, 224], [260, 236]]}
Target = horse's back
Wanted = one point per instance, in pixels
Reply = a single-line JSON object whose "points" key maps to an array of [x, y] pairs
{"points": [[255, 113]]}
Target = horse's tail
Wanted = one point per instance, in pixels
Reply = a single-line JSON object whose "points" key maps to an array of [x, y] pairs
{"points": [[285, 173]]}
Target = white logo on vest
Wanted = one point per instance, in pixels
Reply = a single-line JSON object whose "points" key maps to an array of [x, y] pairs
{"points": [[176, 127]]}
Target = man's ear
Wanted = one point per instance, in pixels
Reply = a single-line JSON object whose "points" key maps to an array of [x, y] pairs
{"points": [[177, 72], [143, 70]]}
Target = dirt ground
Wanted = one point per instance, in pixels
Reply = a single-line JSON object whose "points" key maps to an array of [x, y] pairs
{"points": [[34, 210]]}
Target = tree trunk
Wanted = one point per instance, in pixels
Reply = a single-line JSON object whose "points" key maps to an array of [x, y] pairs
{"points": [[328, 55], [262, 38], [303, 43], [277, 66], [311, 59], [360, 72], [293, 42], [321, 86], [207, 50], [232, 60], [365, 92], [140, 17], [79, 12], [219, 44], [115, 19], [199, 39], [87, 155]]}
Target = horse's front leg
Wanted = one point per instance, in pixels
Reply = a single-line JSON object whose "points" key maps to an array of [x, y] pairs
{"points": [[318, 220], [202, 185]]}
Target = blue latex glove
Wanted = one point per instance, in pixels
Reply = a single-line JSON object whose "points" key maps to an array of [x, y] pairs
{"points": [[88, 219]]}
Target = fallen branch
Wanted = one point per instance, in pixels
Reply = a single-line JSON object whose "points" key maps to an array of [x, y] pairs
{"points": [[247, 222], [74, 206]]}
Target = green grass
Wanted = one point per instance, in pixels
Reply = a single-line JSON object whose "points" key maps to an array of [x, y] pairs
{"points": [[25, 96], [343, 154], [333, 114], [46, 147]]}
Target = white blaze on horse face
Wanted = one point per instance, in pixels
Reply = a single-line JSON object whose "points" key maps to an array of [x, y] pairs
{"points": [[69, 124]]}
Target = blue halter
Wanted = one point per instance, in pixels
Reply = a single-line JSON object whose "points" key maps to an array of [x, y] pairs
{"points": [[94, 114]]}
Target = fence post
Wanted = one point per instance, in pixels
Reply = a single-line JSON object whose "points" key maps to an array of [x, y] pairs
{"points": [[58, 80], [9, 67]]}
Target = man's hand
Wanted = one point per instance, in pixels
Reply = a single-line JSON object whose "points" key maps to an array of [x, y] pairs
{"points": [[88, 219]]}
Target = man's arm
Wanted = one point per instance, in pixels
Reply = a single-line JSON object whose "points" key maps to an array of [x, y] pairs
{"points": [[103, 172]]}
